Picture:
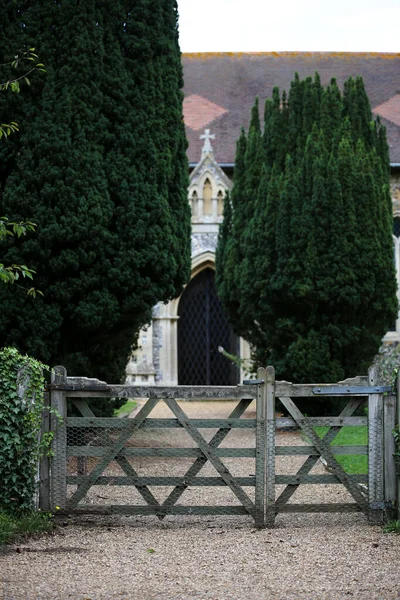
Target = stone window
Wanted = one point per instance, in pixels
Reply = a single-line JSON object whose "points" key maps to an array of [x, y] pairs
{"points": [[396, 227], [195, 205], [220, 197], [207, 197]]}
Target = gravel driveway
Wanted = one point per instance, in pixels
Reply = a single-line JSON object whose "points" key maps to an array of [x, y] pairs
{"points": [[306, 556]]}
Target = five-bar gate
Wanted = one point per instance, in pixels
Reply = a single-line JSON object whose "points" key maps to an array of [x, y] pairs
{"points": [[96, 453]]}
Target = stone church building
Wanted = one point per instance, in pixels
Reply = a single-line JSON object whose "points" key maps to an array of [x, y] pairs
{"points": [[183, 343]]}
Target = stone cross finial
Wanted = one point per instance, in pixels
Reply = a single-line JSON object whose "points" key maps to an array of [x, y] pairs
{"points": [[207, 148]]}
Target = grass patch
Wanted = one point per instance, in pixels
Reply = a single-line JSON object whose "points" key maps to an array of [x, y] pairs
{"points": [[125, 409], [354, 464], [14, 527], [392, 527]]}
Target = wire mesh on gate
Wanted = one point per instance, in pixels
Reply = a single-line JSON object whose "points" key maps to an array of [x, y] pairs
{"points": [[313, 471], [114, 466]]}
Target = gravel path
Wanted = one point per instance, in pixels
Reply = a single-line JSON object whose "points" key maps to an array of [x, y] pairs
{"points": [[306, 557]]}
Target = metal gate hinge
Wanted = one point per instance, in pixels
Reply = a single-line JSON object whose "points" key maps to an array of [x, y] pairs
{"points": [[364, 390]]}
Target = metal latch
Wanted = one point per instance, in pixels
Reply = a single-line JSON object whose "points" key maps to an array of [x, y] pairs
{"points": [[351, 390], [253, 381]]}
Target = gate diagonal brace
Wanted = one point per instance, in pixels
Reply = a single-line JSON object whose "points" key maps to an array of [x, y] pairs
{"points": [[121, 460], [321, 445], [211, 456], [330, 435], [198, 464], [137, 422]]}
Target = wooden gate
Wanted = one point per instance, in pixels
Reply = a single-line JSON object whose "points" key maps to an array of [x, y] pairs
{"points": [[85, 447], [97, 442], [373, 493]]}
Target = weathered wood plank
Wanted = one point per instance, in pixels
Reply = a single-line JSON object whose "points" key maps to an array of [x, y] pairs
{"points": [[319, 508], [179, 392], [311, 451], [44, 461], [166, 481], [375, 453], [113, 451], [259, 497], [83, 408], [97, 451], [163, 481], [209, 453], [204, 510], [283, 422], [83, 384], [389, 421], [126, 509], [270, 427], [196, 467], [115, 423], [285, 388], [89, 394], [316, 479], [58, 468]]}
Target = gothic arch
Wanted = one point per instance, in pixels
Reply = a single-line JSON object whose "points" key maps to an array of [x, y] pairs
{"points": [[199, 263]]}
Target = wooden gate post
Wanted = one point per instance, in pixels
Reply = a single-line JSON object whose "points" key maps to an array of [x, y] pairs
{"points": [[58, 471], [260, 451], [44, 462], [375, 452], [270, 445], [389, 422]]}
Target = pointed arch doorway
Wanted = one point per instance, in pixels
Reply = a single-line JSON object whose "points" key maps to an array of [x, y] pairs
{"points": [[202, 328]]}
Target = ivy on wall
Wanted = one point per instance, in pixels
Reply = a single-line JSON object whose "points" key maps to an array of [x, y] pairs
{"points": [[21, 442]]}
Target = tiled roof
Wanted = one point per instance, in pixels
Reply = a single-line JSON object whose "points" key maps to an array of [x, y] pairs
{"points": [[220, 89]]}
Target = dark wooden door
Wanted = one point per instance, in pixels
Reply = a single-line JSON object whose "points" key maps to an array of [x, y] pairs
{"points": [[202, 328]]}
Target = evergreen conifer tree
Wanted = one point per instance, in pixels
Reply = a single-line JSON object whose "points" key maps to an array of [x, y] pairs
{"points": [[102, 170], [317, 288]]}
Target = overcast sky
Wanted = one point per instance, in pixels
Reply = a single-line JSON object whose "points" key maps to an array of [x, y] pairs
{"points": [[268, 25]]}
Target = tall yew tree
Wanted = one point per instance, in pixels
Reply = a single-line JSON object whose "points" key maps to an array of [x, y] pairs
{"points": [[305, 263], [100, 167]]}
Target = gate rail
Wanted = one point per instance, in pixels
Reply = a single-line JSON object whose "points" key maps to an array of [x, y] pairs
{"points": [[374, 499]]}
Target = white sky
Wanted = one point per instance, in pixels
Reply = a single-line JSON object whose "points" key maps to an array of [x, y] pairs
{"points": [[268, 25]]}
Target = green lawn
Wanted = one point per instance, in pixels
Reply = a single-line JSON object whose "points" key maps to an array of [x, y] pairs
{"points": [[125, 408], [350, 436]]}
